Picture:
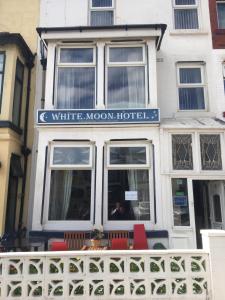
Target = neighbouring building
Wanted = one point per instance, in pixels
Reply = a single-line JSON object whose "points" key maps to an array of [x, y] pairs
{"points": [[130, 126], [18, 42]]}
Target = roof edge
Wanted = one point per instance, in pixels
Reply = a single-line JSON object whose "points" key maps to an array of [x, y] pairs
{"points": [[126, 27], [17, 39]]}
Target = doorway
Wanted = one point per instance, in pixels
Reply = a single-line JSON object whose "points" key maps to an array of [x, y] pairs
{"points": [[209, 204]]}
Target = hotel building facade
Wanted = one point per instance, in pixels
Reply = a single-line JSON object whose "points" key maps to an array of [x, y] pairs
{"points": [[130, 125]]}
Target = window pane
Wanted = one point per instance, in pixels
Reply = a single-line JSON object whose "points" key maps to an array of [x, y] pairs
{"points": [[17, 103], [210, 152], [126, 87], [125, 54], [190, 75], [102, 18], [182, 152], [128, 195], [18, 91], [127, 155], [78, 55], [185, 2], [101, 3], [191, 98], [221, 15], [70, 195], [71, 156], [1, 62], [217, 209], [19, 71], [180, 202], [186, 18], [76, 88]]}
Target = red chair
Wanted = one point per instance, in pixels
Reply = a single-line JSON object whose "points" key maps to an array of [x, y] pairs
{"points": [[59, 246], [140, 241], [119, 244]]}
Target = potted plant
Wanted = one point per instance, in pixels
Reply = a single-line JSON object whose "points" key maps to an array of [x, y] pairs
{"points": [[96, 236]]}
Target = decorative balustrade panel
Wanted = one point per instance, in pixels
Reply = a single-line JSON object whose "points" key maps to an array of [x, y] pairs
{"points": [[104, 275]]}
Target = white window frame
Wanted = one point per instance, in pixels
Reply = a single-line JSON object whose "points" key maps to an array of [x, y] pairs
{"points": [[187, 7], [126, 64], [71, 166], [219, 2], [102, 8], [69, 65], [222, 148], [125, 166], [191, 216], [128, 224], [203, 83], [68, 224]]}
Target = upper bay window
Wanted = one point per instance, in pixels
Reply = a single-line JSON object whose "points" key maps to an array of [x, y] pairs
{"points": [[221, 14], [191, 87], [186, 14], [101, 12], [126, 77], [76, 73], [71, 182], [128, 173], [2, 64]]}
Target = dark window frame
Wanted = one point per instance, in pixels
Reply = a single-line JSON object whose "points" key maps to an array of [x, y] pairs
{"points": [[217, 13], [17, 79], [3, 75]]}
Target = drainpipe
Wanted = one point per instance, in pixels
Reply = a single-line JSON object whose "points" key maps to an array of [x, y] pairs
{"points": [[24, 149]]}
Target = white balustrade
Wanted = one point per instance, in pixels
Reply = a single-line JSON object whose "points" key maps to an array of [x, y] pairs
{"points": [[105, 275]]}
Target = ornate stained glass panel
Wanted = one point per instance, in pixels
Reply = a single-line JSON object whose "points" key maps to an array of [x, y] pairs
{"points": [[182, 152], [210, 152]]}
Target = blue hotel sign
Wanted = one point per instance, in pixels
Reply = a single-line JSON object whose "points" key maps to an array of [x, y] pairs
{"points": [[95, 116]]}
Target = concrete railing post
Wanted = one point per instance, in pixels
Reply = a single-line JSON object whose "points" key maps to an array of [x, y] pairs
{"points": [[214, 243]]}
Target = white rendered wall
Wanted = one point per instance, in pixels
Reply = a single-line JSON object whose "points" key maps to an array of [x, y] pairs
{"points": [[176, 45]]}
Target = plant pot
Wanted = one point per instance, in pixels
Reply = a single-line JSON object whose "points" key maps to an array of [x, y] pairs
{"points": [[95, 243]]}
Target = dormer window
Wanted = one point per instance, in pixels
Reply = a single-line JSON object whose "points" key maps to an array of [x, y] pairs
{"points": [[101, 12]]}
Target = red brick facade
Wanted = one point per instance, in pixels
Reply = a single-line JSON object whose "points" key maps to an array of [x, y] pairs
{"points": [[218, 35]]}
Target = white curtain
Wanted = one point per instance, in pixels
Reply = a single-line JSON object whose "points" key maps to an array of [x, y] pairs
{"points": [[186, 18], [126, 87], [76, 88], [60, 194]]}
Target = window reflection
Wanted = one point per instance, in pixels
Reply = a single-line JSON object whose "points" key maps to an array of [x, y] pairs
{"points": [[180, 202]]}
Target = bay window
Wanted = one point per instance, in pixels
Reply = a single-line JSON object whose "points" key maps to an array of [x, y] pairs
{"points": [[191, 86], [76, 73], [101, 12], [128, 182], [126, 77], [186, 14], [71, 182]]}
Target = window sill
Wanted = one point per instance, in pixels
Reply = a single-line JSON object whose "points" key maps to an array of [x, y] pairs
{"points": [[194, 114], [188, 32]]}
